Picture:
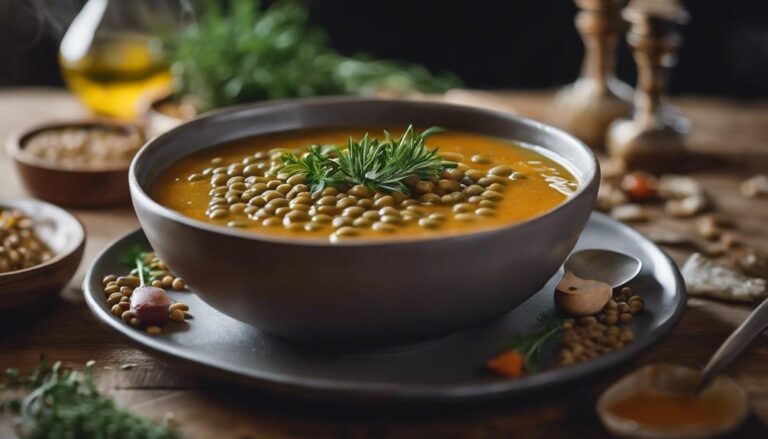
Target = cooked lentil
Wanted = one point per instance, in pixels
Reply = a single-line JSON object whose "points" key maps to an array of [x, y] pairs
{"points": [[119, 289], [85, 147], [484, 192], [20, 247], [591, 336]]}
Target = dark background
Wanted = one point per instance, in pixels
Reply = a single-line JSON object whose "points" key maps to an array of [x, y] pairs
{"points": [[490, 44]]}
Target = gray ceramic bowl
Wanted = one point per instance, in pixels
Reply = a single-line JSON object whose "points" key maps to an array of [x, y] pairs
{"points": [[361, 292]]}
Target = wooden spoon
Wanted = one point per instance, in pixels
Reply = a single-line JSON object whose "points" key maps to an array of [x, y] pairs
{"points": [[581, 297]]}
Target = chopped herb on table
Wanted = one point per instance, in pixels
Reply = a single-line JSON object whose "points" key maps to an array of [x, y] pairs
{"points": [[54, 402]]}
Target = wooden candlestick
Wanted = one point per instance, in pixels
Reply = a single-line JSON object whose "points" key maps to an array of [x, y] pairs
{"points": [[588, 106], [654, 139]]}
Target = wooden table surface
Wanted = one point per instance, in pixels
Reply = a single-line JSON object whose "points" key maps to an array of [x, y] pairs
{"points": [[734, 132]]}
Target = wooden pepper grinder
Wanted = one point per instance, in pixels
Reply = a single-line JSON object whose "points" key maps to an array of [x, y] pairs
{"points": [[654, 139], [588, 106]]}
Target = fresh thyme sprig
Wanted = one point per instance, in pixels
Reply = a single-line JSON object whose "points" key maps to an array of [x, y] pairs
{"points": [[377, 164], [60, 403], [549, 326]]}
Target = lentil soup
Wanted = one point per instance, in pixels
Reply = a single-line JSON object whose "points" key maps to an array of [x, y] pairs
{"points": [[479, 183]]}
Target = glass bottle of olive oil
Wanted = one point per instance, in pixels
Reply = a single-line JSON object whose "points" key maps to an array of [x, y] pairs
{"points": [[111, 57]]}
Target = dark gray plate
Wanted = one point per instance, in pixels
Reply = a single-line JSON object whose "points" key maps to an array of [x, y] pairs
{"points": [[444, 369]]}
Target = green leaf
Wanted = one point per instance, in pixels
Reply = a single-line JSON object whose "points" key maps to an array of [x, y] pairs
{"points": [[134, 258], [136, 251]]}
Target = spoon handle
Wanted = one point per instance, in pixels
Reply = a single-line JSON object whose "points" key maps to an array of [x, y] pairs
{"points": [[753, 326]]}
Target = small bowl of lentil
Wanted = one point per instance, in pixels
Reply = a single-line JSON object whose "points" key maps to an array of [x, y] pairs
{"points": [[77, 163], [350, 221], [41, 246]]}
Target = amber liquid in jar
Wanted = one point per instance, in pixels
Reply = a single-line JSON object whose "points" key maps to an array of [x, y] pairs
{"points": [[118, 76]]}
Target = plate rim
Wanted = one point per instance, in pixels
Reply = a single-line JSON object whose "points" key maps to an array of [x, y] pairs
{"points": [[333, 389]]}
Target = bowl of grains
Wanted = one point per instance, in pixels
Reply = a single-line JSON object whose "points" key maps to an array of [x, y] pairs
{"points": [[41, 246], [83, 164]]}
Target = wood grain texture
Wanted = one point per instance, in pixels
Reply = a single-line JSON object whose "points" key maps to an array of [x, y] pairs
{"points": [[734, 132]]}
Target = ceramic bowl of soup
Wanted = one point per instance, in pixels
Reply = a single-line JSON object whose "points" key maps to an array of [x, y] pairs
{"points": [[352, 263]]}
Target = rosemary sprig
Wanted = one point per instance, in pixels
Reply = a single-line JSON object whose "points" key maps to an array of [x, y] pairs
{"points": [[549, 326], [317, 165], [385, 164], [59, 403], [377, 164]]}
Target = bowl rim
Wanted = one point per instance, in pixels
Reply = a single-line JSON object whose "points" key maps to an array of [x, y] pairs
{"points": [[140, 196], [15, 145], [59, 256]]}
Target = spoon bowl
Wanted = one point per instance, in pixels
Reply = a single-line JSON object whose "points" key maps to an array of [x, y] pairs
{"points": [[613, 268]]}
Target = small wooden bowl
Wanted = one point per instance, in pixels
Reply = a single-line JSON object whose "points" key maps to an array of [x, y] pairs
{"points": [[77, 187], [34, 287]]}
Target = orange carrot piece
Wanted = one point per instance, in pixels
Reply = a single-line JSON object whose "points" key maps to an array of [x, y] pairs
{"points": [[508, 364]]}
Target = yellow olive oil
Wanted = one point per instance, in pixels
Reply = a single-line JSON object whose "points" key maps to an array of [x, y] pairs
{"points": [[118, 75]]}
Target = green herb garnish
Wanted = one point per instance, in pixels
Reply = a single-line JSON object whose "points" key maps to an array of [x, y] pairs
{"points": [[138, 257], [240, 51], [319, 168], [376, 164], [549, 326], [60, 403], [135, 258]]}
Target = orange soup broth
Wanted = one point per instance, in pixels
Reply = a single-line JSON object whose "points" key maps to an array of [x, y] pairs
{"points": [[546, 185], [663, 410]]}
